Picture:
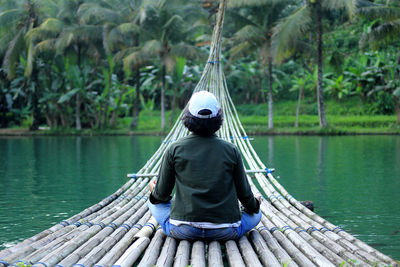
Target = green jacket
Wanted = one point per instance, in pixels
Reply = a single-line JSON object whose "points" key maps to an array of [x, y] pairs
{"points": [[210, 178]]}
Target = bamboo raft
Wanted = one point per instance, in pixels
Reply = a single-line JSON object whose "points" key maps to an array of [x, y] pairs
{"points": [[119, 230]]}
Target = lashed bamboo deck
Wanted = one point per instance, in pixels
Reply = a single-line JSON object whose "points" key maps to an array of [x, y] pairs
{"points": [[119, 230]]}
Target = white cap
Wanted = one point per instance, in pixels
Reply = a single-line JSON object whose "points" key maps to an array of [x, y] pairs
{"points": [[203, 101]]}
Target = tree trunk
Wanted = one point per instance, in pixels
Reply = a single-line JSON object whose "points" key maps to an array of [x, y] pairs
{"points": [[35, 101], [115, 112], [301, 92], [78, 100], [397, 108], [174, 100], [61, 114], [3, 108], [320, 96], [163, 98], [270, 100], [137, 101], [78, 112]]}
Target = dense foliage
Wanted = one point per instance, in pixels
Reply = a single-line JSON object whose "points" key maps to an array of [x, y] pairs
{"points": [[89, 63]]}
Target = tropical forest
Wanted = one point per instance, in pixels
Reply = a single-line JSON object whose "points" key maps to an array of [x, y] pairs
{"points": [[126, 66]]}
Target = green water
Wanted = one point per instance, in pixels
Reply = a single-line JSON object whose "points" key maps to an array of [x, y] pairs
{"points": [[354, 181]]}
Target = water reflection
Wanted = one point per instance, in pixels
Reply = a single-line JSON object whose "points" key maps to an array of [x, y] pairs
{"points": [[270, 162], [353, 180], [47, 179], [321, 167]]}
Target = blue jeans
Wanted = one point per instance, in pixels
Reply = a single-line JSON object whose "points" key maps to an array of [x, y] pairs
{"points": [[161, 212]]}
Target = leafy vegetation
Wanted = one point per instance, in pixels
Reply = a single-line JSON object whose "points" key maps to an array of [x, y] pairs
{"points": [[111, 65]]}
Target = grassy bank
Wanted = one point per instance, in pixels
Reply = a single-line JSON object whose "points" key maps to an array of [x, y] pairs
{"points": [[149, 124], [343, 118]]}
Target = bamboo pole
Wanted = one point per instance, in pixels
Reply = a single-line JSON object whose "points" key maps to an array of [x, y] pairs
{"points": [[249, 256], [234, 257], [153, 250], [290, 248], [324, 245], [215, 254], [167, 253], [118, 249], [281, 255], [97, 241], [182, 254], [266, 256], [94, 241], [63, 233], [133, 252], [69, 247], [198, 254], [111, 241]]}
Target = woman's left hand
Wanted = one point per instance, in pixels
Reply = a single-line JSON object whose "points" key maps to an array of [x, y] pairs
{"points": [[258, 196]]}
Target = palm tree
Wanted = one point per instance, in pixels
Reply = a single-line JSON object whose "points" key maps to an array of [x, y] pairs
{"points": [[287, 37], [68, 35], [122, 38], [168, 28], [14, 26], [386, 29], [256, 36]]}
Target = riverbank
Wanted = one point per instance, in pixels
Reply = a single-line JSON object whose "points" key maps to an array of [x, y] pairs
{"points": [[350, 117], [149, 124]]}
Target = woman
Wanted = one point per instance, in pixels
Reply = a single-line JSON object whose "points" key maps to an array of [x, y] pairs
{"points": [[209, 176]]}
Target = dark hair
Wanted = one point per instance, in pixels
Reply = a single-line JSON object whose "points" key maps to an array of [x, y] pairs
{"points": [[205, 127]]}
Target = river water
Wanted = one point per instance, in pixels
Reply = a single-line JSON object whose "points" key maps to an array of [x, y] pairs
{"points": [[354, 181]]}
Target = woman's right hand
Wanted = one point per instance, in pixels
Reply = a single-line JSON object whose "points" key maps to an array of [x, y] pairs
{"points": [[152, 184]]}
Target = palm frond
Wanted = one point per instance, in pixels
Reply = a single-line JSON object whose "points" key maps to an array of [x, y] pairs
{"points": [[10, 16], [238, 18], [92, 13], [136, 59], [192, 32], [114, 40], [249, 33], [50, 28], [119, 56], [141, 15], [349, 5], [128, 28], [66, 38], [173, 23], [30, 58], [45, 46], [89, 33], [12, 54], [102, 3], [153, 47], [49, 7], [240, 50], [383, 33], [242, 3], [289, 31], [169, 62], [385, 13], [93, 52], [5, 39], [52, 25], [186, 51]]}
